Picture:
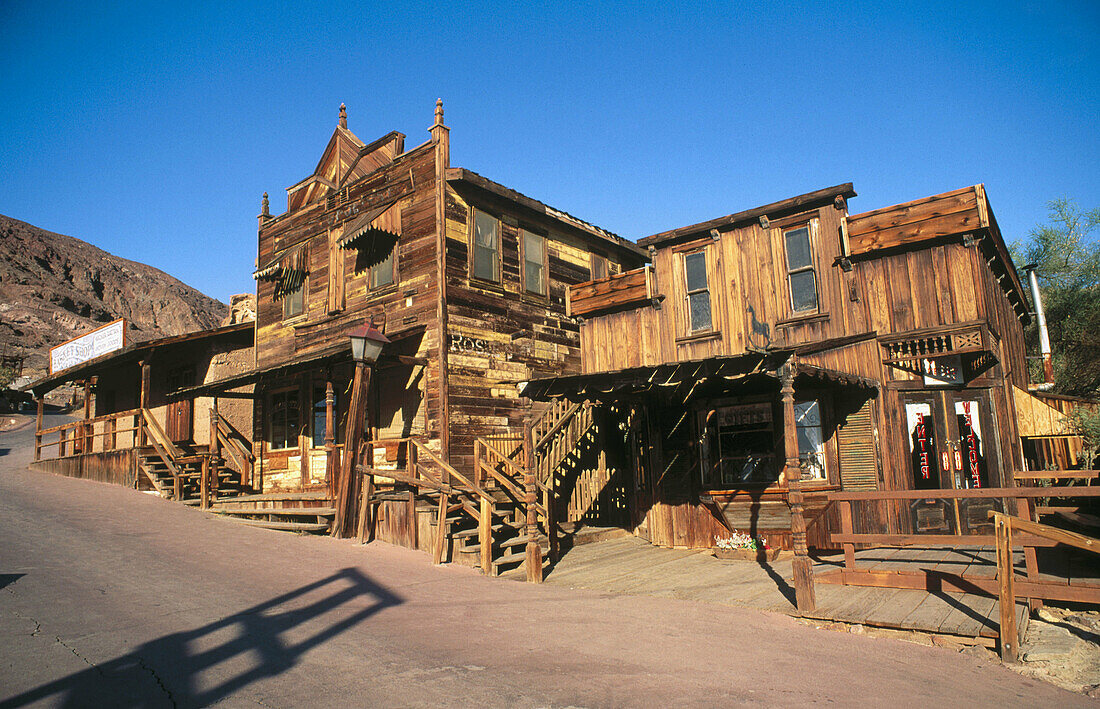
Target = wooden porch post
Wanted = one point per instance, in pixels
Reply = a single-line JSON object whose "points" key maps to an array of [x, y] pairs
{"points": [[805, 598], [38, 429], [331, 465], [534, 551], [85, 438], [143, 401], [346, 498]]}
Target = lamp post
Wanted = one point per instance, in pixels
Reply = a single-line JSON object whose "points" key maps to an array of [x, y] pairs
{"points": [[366, 346]]}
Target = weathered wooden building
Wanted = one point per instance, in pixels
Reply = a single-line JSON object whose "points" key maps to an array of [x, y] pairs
{"points": [[131, 433], [900, 330], [465, 277]]}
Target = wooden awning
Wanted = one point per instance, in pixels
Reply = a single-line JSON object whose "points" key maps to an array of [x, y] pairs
{"points": [[287, 269], [1038, 419], [683, 381], [374, 233]]}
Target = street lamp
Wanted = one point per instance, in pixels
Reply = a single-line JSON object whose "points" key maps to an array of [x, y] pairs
{"points": [[366, 347], [366, 344]]}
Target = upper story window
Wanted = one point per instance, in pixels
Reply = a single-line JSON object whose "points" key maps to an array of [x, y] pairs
{"points": [[534, 262], [382, 273], [698, 294], [485, 249], [294, 301], [801, 279], [598, 267]]}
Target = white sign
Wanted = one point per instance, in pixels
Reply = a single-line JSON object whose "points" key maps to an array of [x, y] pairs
{"points": [[90, 345]]}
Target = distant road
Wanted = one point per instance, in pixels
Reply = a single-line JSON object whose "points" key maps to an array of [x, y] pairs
{"points": [[111, 597]]}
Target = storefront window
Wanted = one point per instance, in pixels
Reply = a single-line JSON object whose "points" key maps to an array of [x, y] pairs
{"points": [[811, 440], [740, 445], [283, 421]]}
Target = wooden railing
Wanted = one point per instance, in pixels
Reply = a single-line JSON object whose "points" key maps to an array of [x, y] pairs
{"points": [[1024, 497], [226, 441], [525, 490], [425, 473], [1006, 577], [110, 432]]}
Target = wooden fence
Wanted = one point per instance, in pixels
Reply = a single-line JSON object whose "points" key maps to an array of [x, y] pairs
{"points": [[101, 434]]}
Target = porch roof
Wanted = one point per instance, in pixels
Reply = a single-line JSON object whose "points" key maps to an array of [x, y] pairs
{"points": [[682, 380]]}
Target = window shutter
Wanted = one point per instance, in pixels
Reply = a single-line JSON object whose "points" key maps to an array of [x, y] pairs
{"points": [[855, 440]]}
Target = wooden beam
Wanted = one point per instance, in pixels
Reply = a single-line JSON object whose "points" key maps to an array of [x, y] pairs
{"points": [[353, 433], [1007, 594]]}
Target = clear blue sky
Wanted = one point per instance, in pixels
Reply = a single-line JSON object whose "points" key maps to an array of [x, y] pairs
{"points": [[152, 129]]}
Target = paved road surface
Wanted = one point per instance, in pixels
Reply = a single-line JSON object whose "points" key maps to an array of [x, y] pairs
{"points": [[112, 597]]}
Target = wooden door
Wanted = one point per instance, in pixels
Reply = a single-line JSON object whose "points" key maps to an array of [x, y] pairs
{"points": [[181, 417], [952, 445]]}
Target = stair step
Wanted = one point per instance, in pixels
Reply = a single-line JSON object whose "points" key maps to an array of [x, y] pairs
{"points": [[288, 511], [284, 526], [284, 496], [522, 540], [466, 533]]}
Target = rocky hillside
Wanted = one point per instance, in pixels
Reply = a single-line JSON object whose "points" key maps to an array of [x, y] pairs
{"points": [[54, 287]]}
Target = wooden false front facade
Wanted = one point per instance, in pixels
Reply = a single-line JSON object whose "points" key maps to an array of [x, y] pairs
{"points": [[905, 325], [465, 277]]}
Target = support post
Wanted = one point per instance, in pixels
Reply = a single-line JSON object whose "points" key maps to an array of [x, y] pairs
{"points": [[347, 495], [204, 483], [85, 427], [1007, 632], [846, 527], [485, 536], [331, 460], [534, 551], [38, 429], [805, 597], [1026, 508], [143, 402]]}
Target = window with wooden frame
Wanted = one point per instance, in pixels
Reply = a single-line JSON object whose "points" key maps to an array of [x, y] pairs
{"points": [[384, 273], [697, 292], [811, 439], [283, 418], [534, 262], [485, 247], [294, 302], [598, 267], [801, 278]]}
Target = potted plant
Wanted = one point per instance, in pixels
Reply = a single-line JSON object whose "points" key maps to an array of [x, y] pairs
{"points": [[744, 547]]}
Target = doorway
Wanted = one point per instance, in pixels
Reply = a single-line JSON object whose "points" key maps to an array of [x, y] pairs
{"points": [[181, 418], [952, 445]]}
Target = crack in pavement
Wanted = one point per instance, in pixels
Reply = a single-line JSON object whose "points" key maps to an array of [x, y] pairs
{"points": [[158, 680]]}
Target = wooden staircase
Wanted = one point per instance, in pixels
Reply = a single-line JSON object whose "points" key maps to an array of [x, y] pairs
{"points": [[217, 478]]}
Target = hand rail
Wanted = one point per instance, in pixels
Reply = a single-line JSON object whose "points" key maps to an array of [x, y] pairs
{"points": [[471, 485], [153, 427], [1004, 525]]}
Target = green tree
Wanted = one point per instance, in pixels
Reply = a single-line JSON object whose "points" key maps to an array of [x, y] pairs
{"points": [[1068, 268]]}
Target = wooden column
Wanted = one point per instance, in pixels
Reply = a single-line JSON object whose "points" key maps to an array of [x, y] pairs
{"points": [[347, 489], [331, 460], [143, 401], [38, 429], [85, 427], [441, 140], [805, 598], [534, 551]]}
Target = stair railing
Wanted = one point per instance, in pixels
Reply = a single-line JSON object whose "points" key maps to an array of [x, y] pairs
{"points": [[165, 448], [233, 443]]}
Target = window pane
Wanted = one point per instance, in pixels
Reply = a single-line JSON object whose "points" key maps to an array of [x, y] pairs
{"points": [[695, 268], [293, 302], [319, 417], [798, 249], [699, 308], [381, 274], [807, 413], [485, 263], [534, 251], [811, 440], [803, 291], [486, 246]]}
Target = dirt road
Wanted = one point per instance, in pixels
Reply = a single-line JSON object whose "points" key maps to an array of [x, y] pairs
{"points": [[112, 597]]}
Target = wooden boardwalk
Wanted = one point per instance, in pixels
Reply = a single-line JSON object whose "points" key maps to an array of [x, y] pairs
{"points": [[632, 566]]}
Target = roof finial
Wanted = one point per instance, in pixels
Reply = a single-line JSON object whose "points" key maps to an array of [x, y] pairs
{"points": [[439, 111], [266, 211], [343, 116]]}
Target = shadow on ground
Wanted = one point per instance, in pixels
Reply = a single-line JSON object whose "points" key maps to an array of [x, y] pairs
{"points": [[181, 669]]}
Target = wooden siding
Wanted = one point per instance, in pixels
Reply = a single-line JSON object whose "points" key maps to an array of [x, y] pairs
{"points": [[499, 334], [953, 212]]}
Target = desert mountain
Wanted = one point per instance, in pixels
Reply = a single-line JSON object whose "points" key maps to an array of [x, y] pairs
{"points": [[54, 287]]}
